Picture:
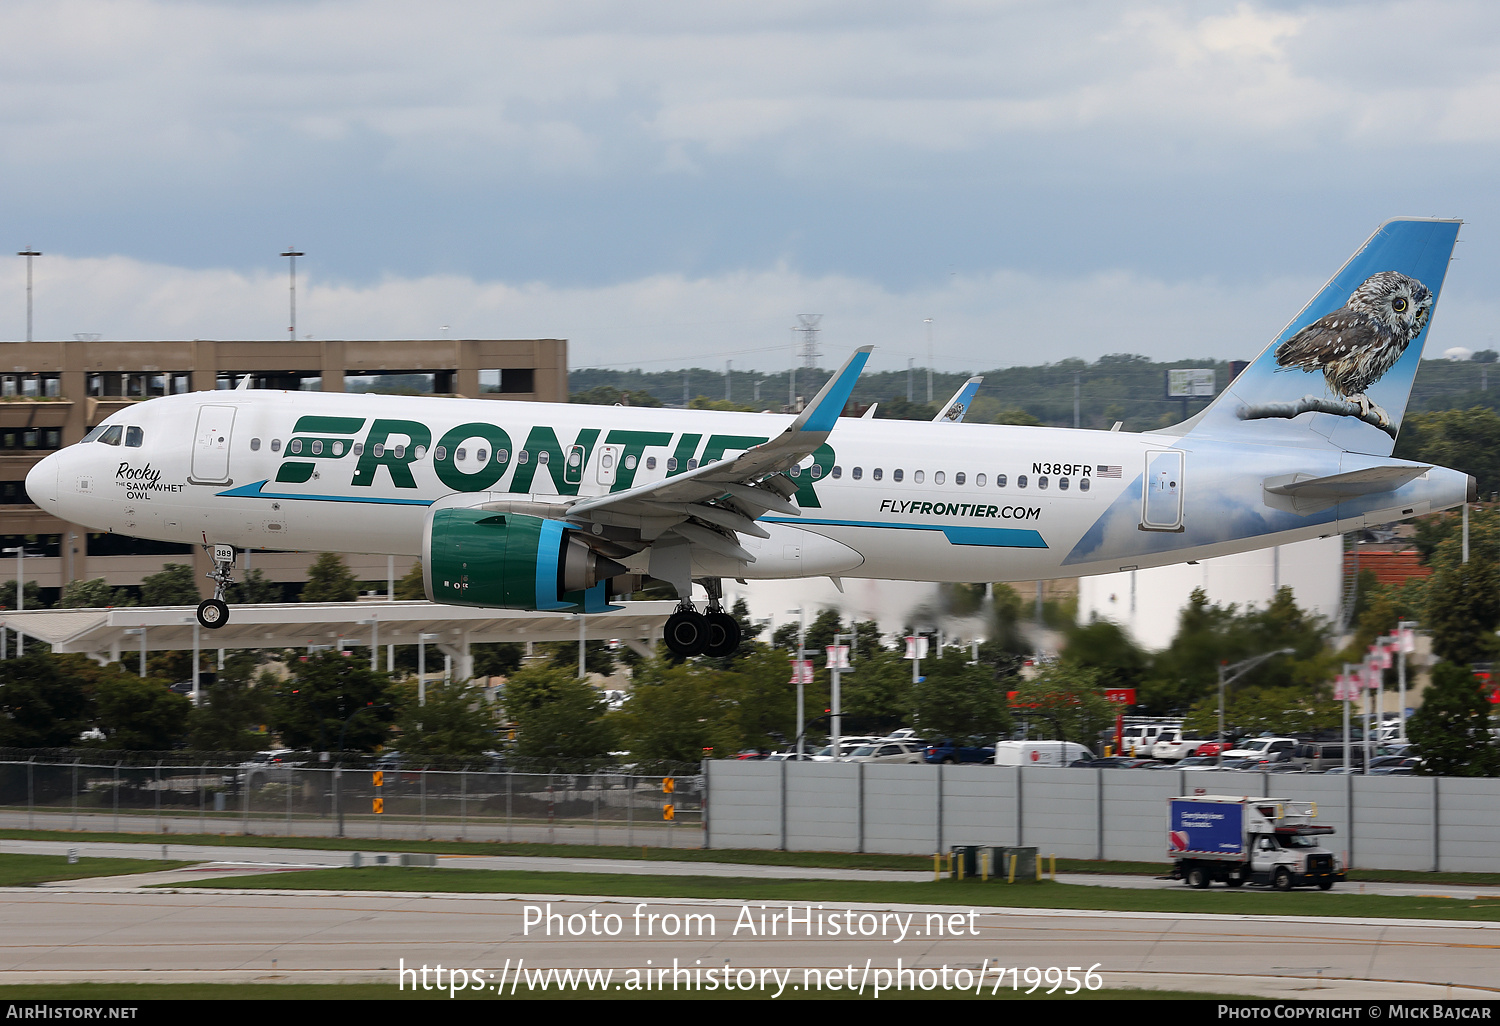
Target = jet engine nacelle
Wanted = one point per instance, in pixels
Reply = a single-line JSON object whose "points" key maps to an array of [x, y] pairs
{"points": [[476, 557]]}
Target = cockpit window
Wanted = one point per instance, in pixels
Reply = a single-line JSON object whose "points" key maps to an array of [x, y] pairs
{"points": [[133, 437], [109, 435]]}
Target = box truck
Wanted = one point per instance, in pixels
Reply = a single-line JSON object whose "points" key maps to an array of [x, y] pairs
{"points": [[1268, 841]]}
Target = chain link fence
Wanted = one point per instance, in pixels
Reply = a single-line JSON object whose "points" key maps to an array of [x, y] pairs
{"points": [[279, 799]]}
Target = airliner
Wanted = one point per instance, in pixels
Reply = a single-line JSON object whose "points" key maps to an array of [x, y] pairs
{"points": [[541, 506]]}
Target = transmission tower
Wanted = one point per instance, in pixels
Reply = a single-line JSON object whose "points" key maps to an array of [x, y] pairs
{"points": [[807, 327]]}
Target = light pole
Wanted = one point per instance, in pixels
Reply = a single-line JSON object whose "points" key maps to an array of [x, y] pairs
{"points": [[132, 632], [1405, 642], [292, 254], [801, 611], [838, 662], [21, 554], [28, 253], [1235, 672], [422, 640]]}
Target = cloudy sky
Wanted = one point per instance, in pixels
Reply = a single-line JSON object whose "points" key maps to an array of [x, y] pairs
{"points": [[672, 183]]}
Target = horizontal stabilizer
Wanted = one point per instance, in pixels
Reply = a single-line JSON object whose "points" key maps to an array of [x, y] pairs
{"points": [[1305, 494]]}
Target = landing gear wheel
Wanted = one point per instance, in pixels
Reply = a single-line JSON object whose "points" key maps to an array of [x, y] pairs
{"points": [[1282, 881], [686, 632], [1196, 877], [213, 613], [723, 634]]}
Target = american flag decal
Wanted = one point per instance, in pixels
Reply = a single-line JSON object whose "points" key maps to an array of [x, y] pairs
{"points": [[1106, 471]]}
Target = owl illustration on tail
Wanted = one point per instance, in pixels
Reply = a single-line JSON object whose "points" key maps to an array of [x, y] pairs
{"points": [[1356, 344]]}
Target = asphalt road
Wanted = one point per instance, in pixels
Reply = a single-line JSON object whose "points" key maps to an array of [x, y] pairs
{"points": [[67, 935]]}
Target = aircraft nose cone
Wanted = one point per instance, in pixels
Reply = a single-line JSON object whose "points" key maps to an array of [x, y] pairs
{"points": [[41, 482]]}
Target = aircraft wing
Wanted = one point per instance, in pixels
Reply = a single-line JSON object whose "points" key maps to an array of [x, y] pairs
{"points": [[954, 412], [728, 495]]}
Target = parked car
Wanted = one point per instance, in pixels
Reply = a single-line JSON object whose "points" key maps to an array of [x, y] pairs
{"points": [[887, 751], [949, 751]]}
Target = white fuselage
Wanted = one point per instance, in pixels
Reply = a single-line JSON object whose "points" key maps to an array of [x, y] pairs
{"points": [[900, 500]]}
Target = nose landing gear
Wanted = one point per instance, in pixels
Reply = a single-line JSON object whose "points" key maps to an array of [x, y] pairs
{"points": [[214, 613]]}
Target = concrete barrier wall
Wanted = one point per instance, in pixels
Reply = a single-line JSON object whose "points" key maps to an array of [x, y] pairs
{"points": [[1380, 822]]}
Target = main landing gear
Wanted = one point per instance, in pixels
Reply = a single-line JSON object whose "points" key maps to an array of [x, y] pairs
{"points": [[714, 633], [214, 613]]}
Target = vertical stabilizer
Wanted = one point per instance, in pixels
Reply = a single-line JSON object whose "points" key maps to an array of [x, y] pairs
{"points": [[1340, 374]]}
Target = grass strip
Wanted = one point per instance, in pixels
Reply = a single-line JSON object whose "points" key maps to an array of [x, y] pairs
{"points": [[28, 870], [277, 991], [731, 856], [975, 893]]}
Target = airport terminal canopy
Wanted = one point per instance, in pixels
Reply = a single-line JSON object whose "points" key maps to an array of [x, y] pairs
{"points": [[110, 633]]}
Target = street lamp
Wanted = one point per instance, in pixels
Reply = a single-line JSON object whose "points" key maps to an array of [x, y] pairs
{"points": [[291, 252], [422, 640], [21, 554], [132, 632], [801, 612], [1235, 672], [28, 253]]}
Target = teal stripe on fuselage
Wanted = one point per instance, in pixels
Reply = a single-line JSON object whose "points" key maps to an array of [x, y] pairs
{"points": [[995, 537], [253, 491]]}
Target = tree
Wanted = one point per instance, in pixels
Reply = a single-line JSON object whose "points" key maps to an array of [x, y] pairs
{"points": [[40, 705], [32, 593], [329, 580], [458, 721], [135, 713], [174, 586], [559, 719], [311, 707], [960, 700], [1065, 703], [254, 588], [1464, 440], [1464, 598], [1452, 728], [93, 594], [233, 712], [410, 586], [678, 713]]}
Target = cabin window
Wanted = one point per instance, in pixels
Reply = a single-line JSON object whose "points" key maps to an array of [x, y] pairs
{"points": [[897, 474], [1062, 484], [1020, 480], [650, 462], [917, 476], [544, 457], [629, 462], [358, 448], [1041, 481], [459, 455], [133, 437], [837, 472], [483, 455], [876, 473], [958, 478], [317, 447], [795, 472], [938, 477], [1083, 484], [857, 473], [400, 451], [999, 480], [296, 447], [275, 445], [420, 451], [440, 453], [979, 480], [338, 448], [522, 456], [817, 470], [255, 445], [379, 450], [501, 455], [671, 463], [693, 464]]}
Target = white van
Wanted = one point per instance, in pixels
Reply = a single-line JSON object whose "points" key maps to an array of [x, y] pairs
{"points": [[1039, 753]]}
